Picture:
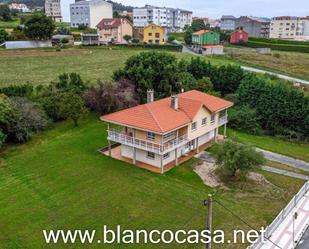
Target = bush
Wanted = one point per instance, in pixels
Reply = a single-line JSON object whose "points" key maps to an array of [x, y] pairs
{"points": [[2, 138], [171, 38], [26, 119], [4, 36], [64, 40], [244, 118], [109, 96], [5, 109], [70, 82], [24, 90]]}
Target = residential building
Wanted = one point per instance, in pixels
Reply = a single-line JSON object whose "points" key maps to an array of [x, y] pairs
{"points": [[114, 30], [227, 22], [161, 134], [170, 18], [214, 23], [239, 37], [58, 10], [205, 37], [90, 13], [289, 27], [204, 19], [154, 34], [21, 7], [255, 26]]}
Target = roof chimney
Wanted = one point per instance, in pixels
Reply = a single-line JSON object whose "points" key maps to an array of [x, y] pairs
{"points": [[150, 97], [174, 102]]}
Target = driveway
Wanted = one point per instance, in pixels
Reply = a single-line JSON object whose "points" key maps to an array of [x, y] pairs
{"points": [[285, 172]]}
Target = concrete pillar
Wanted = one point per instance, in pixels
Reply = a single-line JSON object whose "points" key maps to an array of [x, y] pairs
{"points": [[161, 159], [225, 130], [176, 154], [109, 143], [197, 146], [216, 133], [134, 149]]}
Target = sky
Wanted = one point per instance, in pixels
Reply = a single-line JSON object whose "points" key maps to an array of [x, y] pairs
{"points": [[217, 8]]}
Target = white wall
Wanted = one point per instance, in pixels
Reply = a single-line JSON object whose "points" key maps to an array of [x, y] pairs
{"points": [[65, 10], [98, 11]]}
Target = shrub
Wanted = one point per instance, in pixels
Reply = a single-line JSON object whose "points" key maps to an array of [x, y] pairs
{"points": [[70, 82], [64, 40], [244, 118], [25, 90], [26, 119], [109, 96], [4, 36], [236, 157], [5, 109], [2, 138], [171, 38]]}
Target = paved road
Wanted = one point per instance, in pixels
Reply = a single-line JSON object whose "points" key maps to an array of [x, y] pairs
{"points": [[281, 76], [285, 172], [296, 163]]}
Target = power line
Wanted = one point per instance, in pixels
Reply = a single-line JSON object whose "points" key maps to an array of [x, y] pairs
{"points": [[231, 212]]}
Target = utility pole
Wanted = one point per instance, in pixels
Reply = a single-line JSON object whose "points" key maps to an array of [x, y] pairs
{"points": [[208, 203]]}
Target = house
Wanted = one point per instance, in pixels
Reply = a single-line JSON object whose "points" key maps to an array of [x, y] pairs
{"points": [[205, 37], [227, 22], [239, 37], [161, 134], [58, 10], [255, 26], [154, 34], [172, 19], [206, 42], [20, 7], [89, 39], [114, 29], [90, 13]]}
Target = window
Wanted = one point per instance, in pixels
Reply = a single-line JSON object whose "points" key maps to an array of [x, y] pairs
{"points": [[212, 119], [204, 121], [193, 126], [168, 135], [149, 34], [157, 35], [150, 155], [167, 155], [151, 135]]}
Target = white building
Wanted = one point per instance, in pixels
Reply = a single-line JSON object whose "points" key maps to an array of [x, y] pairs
{"points": [[289, 27], [59, 10], [90, 13], [20, 7], [169, 18], [227, 22]]}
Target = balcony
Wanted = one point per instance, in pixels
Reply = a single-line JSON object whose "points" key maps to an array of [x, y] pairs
{"points": [[123, 138], [223, 120]]}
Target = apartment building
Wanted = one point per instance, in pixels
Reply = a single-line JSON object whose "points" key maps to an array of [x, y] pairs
{"points": [[114, 30], [227, 22], [289, 27], [90, 13], [58, 10], [170, 18], [254, 26], [160, 134]]}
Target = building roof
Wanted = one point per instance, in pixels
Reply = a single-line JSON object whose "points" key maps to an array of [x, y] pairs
{"points": [[109, 23], [228, 17], [160, 117], [200, 32], [153, 24]]}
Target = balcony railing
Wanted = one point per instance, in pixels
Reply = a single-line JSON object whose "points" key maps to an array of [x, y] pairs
{"points": [[123, 138], [223, 120]]}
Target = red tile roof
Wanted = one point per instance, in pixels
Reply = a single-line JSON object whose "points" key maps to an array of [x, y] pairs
{"points": [[160, 117], [108, 23], [200, 32]]}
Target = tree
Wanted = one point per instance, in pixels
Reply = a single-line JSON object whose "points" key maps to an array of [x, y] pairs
{"points": [[72, 106], [2, 138], [63, 31], [198, 24], [244, 118], [5, 13], [236, 157], [151, 70], [127, 38], [188, 36], [39, 27], [26, 119], [204, 84], [5, 109], [4, 36], [110, 96], [70, 82], [18, 33]]}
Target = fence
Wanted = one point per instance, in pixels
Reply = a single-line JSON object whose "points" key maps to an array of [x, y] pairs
{"points": [[281, 216]]}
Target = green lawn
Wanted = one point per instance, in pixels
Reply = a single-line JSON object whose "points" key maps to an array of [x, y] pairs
{"points": [[9, 25], [296, 150], [60, 181], [41, 66]]}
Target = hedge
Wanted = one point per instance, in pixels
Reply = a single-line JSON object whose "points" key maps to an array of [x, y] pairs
{"points": [[278, 41], [282, 47], [154, 46]]}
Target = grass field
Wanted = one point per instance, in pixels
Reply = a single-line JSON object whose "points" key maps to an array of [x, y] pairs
{"points": [[9, 25], [41, 66], [60, 181], [293, 149], [288, 63]]}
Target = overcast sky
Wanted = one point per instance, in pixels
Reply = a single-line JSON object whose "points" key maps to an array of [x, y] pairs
{"points": [[216, 8]]}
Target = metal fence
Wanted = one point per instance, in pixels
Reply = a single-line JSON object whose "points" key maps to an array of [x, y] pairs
{"points": [[281, 216]]}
